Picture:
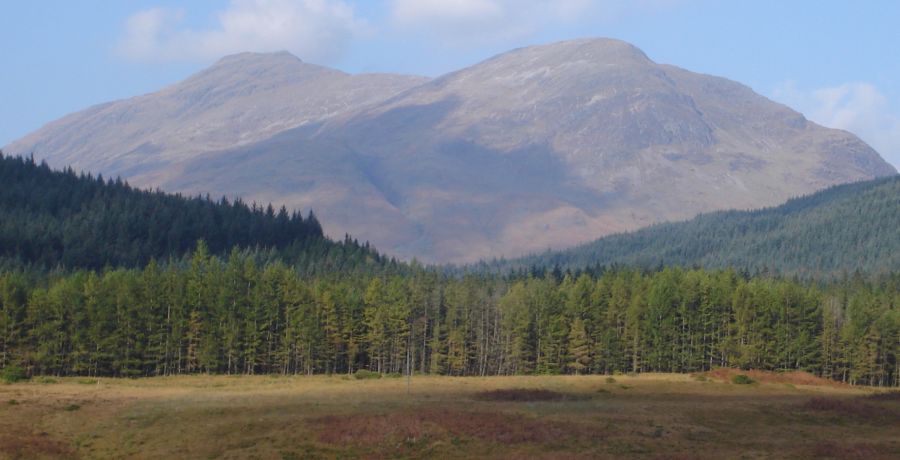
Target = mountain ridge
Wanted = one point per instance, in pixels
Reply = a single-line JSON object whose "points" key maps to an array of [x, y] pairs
{"points": [[557, 143], [239, 99]]}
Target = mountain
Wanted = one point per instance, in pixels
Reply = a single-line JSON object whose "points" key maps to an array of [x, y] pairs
{"points": [[545, 146], [833, 232], [51, 219], [241, 99]]}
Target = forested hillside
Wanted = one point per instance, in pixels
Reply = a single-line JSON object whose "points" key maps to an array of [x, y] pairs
{"points": [[140, 292], [843, 229], [234, 316], [52, 219]]}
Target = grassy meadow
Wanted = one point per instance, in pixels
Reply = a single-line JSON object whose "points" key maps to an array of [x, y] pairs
{"points": [[645, 416]]}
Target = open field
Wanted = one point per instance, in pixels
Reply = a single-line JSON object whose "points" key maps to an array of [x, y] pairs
{"points": [[647, 416]]}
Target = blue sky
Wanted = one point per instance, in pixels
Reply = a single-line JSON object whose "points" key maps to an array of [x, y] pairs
{"points": [[835, 61]]}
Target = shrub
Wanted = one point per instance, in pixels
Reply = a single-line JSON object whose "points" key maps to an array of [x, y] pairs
{"points": [[363, 374], [394, 375], [13, 374], [741, 379], [610, 380]]}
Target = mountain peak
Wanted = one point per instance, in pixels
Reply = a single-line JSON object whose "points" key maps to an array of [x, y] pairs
{"points": [[594, 50], [566, 65], [610, 46], [550, 145], [277, 68], [258, 57]]}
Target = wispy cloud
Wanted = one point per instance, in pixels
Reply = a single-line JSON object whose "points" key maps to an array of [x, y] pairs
{"points": [[321, 30], [464, 22], [316, 30], [413, 12], [858, 107], [468, 22]]}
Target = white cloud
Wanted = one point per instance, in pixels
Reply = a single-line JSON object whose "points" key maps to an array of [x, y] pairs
{"points": [[468, 22], [321, 30], [465, 23], [410, 12], [315, 30], [856, 107]]}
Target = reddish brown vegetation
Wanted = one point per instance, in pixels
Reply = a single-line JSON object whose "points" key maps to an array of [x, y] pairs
{"points": [[848, 451], [19, 443], [886, 396], [522, 394], [849, 407], [676, 456], [855, 408], [793, 377], [435, 425]]}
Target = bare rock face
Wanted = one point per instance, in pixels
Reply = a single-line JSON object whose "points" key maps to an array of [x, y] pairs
{"points": [[546, 146]]}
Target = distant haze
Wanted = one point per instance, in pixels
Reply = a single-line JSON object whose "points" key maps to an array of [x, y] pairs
{"points": [[547, 146]]}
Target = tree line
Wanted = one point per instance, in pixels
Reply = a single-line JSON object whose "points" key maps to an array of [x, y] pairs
{"points": [[59, 219], [235, 315], [821, 236]]}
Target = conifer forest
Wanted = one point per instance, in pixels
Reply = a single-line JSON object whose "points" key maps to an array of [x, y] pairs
{"points": [[234, 316], [100, 279]]}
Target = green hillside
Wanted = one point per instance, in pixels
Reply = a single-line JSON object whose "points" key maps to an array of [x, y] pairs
{"points": [[268, 293], [51, 219], [841, 229]]}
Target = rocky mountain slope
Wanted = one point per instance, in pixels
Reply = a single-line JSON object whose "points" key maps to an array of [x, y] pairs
{"points": [[546, 146], [239, 100]]}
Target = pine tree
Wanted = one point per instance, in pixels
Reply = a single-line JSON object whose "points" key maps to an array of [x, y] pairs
{"points": [[579, 358]]}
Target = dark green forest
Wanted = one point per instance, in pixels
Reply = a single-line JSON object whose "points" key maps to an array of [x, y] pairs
{"points": [[51, 219], [233, 316], [100, 279], [840, 230]]}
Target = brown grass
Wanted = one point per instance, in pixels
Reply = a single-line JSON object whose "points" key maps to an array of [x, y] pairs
{"points": [[725, 374], [18, 442], [644, 416]]}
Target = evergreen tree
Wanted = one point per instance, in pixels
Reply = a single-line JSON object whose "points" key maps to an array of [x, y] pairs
{"points": [[579, 358]]}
